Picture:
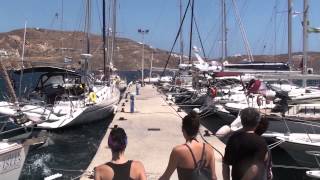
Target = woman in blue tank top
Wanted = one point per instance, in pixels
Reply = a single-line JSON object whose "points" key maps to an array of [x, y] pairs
{"points": [[193, 160], [119, 168]]}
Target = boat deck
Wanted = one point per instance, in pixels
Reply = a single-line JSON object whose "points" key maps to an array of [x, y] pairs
{"points": [[153, 130]]}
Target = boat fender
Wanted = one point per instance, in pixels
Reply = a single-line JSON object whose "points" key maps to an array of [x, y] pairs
{"points": [[93, 97], [178, 82], [254, 85], [213, 92], [223, 131]]}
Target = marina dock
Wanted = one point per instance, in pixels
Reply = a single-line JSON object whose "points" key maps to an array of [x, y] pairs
{"points": [[153, 129]]}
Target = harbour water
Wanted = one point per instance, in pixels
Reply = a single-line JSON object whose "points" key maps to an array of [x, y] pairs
{"points": [[67, 152]]}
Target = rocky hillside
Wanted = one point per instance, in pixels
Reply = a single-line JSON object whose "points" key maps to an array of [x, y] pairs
{"points": [[50, 46]]}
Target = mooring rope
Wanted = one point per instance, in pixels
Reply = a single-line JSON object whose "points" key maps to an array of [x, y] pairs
{"points": [[219, 152], [290, 167]]}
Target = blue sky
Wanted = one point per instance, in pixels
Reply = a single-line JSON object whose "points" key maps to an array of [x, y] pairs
{"points": [[265, 22]]}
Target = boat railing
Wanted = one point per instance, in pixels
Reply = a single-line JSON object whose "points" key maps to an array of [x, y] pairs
{"points": [[303, 109], [9, 130], [69, 98]]}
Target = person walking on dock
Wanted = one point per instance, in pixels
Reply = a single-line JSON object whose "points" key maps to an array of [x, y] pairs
{"points": [[262, 128], [193, 160], [119, 168], [246, 151]]}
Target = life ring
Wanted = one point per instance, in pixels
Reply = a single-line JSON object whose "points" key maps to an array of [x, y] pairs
{"points": [[213, 92], [259, 100], [93, 97]]}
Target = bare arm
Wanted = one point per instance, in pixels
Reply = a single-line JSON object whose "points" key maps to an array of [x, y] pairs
{"points": [[96, 174], [142, 174], [172, 165], [225, 171], [212, 165]]}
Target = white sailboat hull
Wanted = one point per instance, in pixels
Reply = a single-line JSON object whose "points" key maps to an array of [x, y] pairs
{"points": [[68, 113], [300, 146], [12, 159]]}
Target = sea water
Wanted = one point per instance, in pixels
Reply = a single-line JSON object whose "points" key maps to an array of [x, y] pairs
{"points": [[67, 151]]}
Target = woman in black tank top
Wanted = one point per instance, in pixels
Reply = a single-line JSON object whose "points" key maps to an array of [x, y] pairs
{"points": [[121, 171], [193, 160], [119, 168]]}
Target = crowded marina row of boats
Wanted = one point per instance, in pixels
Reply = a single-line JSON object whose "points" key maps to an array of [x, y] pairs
{"points": [[221, 92], [53, 98]]}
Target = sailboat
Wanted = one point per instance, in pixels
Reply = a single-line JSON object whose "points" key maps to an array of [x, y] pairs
{"points": [[62, 97]]}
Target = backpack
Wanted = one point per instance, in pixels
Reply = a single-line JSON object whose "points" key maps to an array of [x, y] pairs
{"points": [[200, 172]]}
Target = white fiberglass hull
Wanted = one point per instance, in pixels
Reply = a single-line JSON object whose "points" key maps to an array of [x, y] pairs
{"points": [[68, 113], [303, 148], [12, 157]]}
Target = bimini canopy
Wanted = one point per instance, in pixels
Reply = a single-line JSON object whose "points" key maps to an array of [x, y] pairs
{"points": [[45, 69]]}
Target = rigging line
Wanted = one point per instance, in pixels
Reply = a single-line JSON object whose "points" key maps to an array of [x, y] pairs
{"points": [[197, 28], [214, 26], [218, 33], [78, 27], [231, 30], [284, 37], [242, 9], [278, 31], [290, 167], [98, 12], [177, 36], [243, 31], [163, 9], [215, 42], [217, 150], [56, 15], [265, 34], [260, 43], [22, 57]]}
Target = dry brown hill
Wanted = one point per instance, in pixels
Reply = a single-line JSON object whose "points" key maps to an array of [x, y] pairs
{"points": [[50, 46]]}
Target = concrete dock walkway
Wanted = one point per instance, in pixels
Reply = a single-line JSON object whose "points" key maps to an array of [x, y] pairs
{"points": [[153, 130]]}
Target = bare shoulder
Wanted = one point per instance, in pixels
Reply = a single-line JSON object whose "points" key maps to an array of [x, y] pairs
{"points": [[137, 170], [178, 148], [137, 164], [103, 172], [103, 167], [208, 149]]}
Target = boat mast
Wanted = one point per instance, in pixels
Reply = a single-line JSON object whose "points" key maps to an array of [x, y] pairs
{"points": [[191, 30], [114, 25], [104, 35], [87, 25], [181, 34], [61, 27], [290, 33], [223, 31], [305, 38]]}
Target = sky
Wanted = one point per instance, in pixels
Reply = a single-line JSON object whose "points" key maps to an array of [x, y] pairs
{"points": [[264, 22]]}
